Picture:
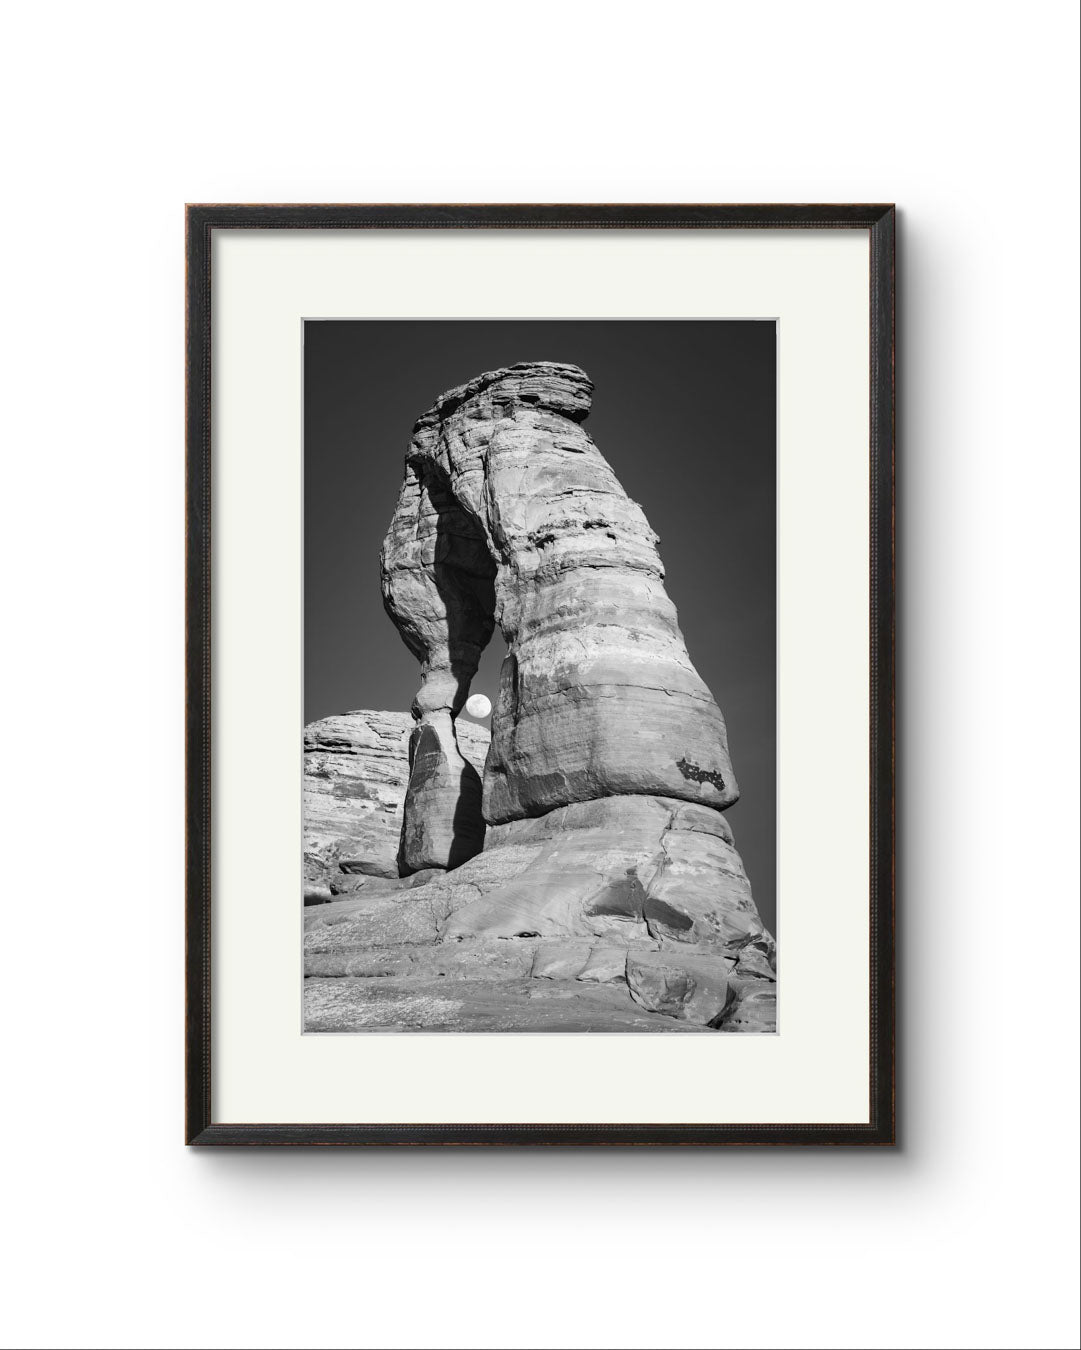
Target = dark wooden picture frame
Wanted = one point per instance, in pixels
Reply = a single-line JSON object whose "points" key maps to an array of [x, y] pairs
{"points": [[879, 222]]}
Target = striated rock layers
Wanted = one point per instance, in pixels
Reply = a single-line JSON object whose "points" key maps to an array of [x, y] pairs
{"points": [[510, 514], [356, 770], [595, 845]]}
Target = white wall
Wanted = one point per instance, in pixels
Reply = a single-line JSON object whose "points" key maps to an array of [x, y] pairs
{"points": [[118, 113]]}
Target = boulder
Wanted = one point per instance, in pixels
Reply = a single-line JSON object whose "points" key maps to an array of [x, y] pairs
{"points": [[695, 988], [755, 1012]]}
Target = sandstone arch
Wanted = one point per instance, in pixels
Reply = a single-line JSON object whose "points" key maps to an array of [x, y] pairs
{"points": [[509, 513]]}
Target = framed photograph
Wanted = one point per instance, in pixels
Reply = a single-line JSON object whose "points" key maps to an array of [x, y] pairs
{"points": [[540, 687]]}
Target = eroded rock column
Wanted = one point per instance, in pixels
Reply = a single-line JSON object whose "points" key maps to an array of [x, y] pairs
{"points": [[438, 589], [598, 695]]}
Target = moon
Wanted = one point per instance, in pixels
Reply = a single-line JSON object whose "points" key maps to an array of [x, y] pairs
{"points": [[477, 705]]}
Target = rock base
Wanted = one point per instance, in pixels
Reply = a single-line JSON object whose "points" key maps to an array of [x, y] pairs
{"points": [[377, 962]]}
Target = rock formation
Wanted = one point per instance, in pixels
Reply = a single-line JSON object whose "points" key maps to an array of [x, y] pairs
{"points": [[509, 513], [595, 854], [356, 769]]}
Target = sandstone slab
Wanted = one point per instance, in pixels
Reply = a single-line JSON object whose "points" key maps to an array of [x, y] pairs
{"points": [[755, 1012], [559, 961], [404, 1005], [606, 965], [694, 988]]}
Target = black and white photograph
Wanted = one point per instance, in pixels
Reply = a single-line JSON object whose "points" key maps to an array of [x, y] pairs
{"points": [[539, 749], [542, 668]]}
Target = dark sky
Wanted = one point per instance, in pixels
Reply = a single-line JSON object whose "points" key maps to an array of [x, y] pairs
{"points": [[684, 411]]}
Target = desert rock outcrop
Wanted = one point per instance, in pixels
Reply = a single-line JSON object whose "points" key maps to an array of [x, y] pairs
{"points": [[356, 772], [509, 513], [593, 854]]}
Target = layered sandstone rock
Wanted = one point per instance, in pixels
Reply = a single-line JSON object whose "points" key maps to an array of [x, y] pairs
{"points": [[594, 883], [509, 512], [626, 913], [379, 961], [356, 772], [655, 879]]}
